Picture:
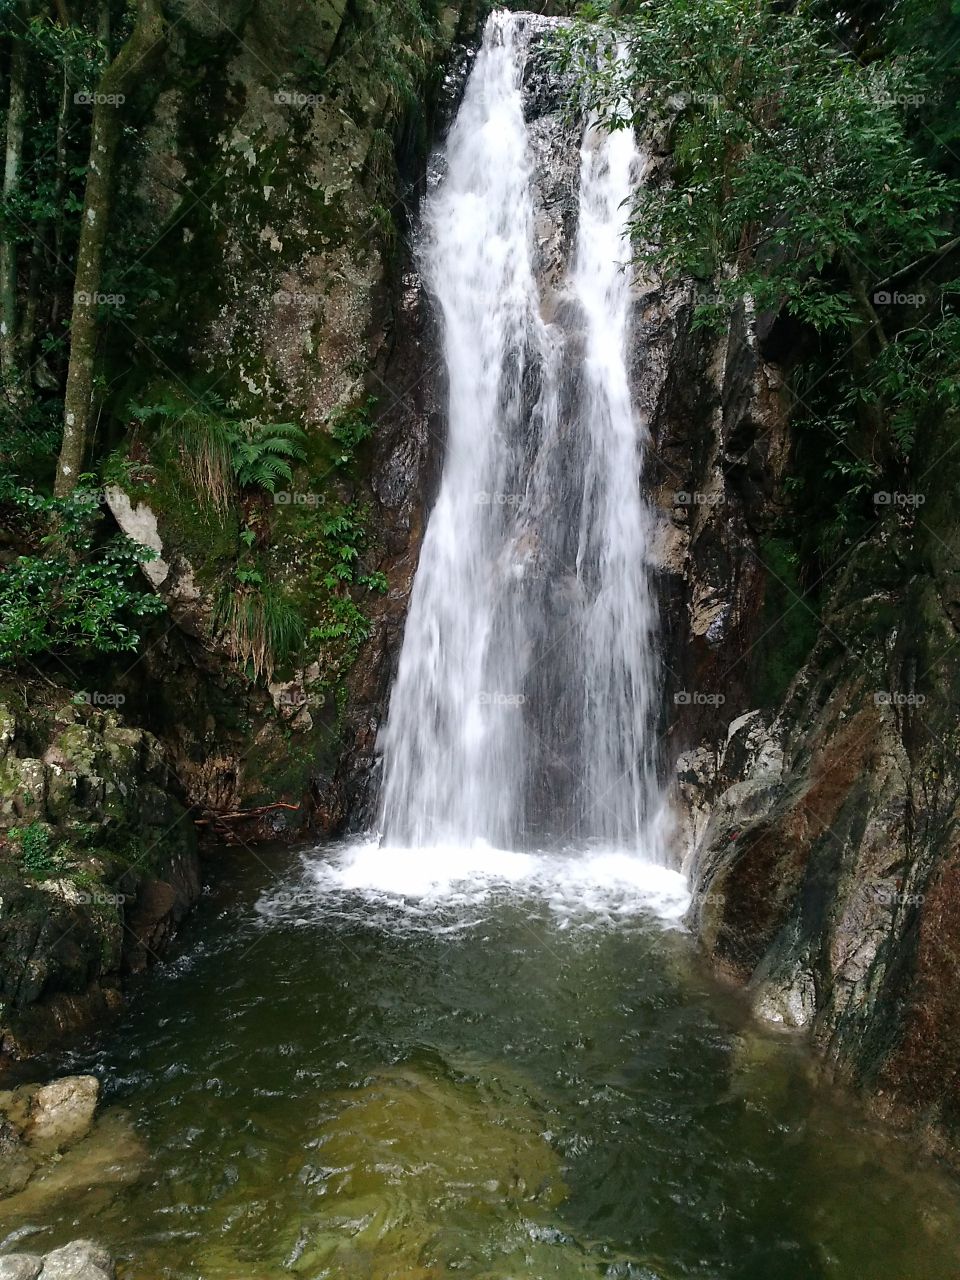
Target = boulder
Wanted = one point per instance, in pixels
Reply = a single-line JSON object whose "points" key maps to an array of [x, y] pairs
{"points": [[20, 1266], [61, 1112], [79, 1260], [16, 1166]]}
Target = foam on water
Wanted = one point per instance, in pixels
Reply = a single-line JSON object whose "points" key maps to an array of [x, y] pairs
{"points": [[456, 886]]}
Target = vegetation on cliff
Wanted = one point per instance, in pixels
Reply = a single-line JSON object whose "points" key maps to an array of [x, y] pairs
{"points": [[201, 232], [101, 376], [814, 175]]}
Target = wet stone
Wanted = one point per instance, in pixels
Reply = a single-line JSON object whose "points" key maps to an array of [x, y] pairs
{"points": [[20, 1266]]}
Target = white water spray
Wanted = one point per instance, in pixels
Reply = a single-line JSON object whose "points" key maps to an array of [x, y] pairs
{"points": [[523, 709], [454, 744]]}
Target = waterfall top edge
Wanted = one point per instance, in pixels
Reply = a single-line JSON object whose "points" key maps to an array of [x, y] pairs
{"points": [[523, 20]]}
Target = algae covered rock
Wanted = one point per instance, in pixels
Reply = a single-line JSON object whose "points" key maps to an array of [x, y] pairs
{"points": [[40, 1121], [89, 828], [80, 1180], [16, 1166], [78, 1260]]}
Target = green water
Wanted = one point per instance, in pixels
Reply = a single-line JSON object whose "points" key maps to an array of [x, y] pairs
{"points": [[490, 1091]]}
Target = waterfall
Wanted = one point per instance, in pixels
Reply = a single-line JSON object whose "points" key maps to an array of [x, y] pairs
{"points": [[523, 710]]}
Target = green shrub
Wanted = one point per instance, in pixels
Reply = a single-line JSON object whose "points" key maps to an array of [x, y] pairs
{"points": [[38, 858], [78, 596], [350, 428]]}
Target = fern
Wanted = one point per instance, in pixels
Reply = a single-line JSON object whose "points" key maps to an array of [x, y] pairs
{"points": [[203, 440], [220, 453]]}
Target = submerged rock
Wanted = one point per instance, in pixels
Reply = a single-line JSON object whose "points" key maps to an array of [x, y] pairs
{"points": [[412, 1163], [54, 1148], [16, 1165], [52, 1116], [86, 1177]]}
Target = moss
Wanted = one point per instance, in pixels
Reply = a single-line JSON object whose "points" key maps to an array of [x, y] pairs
{"points": [[284, 769], [789, 628]]}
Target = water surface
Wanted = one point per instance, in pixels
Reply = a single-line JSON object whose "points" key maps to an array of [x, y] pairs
{"points": [[515, 1072]]}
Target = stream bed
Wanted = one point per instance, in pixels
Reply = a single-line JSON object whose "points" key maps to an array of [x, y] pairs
{"points": [[516, 1067]]}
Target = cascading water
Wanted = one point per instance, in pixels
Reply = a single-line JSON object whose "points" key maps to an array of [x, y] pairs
{"points": [[454, 745], [522, 713]]}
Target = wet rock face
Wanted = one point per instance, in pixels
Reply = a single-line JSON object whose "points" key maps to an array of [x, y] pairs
{"points": [[825, 874], [98, 864], [405, 468], [818, 825]]}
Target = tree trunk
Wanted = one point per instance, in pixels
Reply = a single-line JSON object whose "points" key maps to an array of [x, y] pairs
{"points": [[16, 112], [120, 75], [60, 179], [868, 339]]}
